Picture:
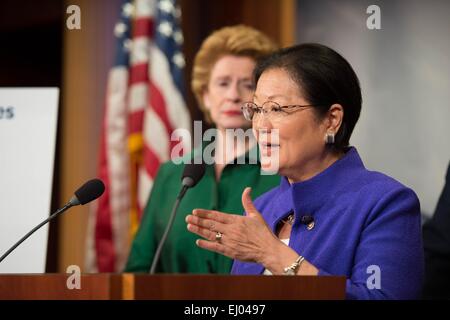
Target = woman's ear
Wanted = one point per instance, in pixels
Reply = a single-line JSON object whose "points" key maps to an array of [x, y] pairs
{"points": [[335, 116]]}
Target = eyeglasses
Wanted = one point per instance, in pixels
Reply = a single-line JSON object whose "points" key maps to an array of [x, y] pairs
{"points": [[272, 110]]}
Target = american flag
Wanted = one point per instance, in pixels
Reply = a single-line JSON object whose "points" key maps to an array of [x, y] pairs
{"points": [[144, 104]]}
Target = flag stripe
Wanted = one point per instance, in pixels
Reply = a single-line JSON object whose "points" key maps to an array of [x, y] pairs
{"points": [[145, 184], [158, 104], [143, 27], [151, 161], [105, 255], [139, 73], [145, 8], [117, 164], [154, 127], [139, 52], [176, 107]]}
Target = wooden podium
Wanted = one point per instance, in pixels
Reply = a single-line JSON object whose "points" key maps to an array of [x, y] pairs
{"points": [[171, 287]]}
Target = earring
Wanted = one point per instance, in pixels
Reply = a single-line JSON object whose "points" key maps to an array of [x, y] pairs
{"points": [[329, 138]]}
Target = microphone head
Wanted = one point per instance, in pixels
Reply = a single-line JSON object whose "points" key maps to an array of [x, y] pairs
{"points": [[192, 174], [89, 191]]}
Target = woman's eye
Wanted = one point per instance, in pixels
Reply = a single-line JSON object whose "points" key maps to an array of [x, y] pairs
{"points": [[249, 86], [223, 83], [276, 109]]}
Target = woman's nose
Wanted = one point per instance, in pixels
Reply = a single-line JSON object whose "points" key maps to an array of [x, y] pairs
{"points": [[234, 93], [260, 122]]}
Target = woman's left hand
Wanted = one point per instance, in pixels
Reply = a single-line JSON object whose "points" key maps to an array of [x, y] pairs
{"points": [[246, 238]]}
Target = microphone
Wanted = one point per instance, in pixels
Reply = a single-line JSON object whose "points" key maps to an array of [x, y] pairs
{"points": [[192, 174], [89, 191]]}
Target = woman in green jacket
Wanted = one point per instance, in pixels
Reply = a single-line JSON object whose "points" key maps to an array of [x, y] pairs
{"points": [[222, 81]]}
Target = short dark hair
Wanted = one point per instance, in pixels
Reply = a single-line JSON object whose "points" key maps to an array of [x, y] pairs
{"points": [[324, 78]]}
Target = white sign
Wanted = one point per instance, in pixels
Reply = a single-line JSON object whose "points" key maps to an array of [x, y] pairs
{"points": [[28, 121]]}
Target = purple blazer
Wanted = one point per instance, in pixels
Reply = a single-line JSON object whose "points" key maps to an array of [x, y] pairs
{"points": [[366, 227]]}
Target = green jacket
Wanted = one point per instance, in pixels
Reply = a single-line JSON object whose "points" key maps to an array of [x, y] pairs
{"points": [[180, 253]]}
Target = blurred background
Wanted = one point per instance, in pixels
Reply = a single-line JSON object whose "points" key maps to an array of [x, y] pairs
{"points": [[403, 67]]}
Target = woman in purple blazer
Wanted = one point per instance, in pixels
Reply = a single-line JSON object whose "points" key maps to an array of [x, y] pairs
{"points": [[329, 215]]}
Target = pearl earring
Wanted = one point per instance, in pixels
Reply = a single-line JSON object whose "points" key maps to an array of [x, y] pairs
{"points": [[329, 138]]}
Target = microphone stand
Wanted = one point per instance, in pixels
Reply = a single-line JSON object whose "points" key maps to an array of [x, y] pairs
{"points": [[89, 191], [58, 212], [168, 228]]}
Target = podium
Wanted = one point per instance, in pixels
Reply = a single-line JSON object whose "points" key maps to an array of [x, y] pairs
{"points": [[171, 287]]}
